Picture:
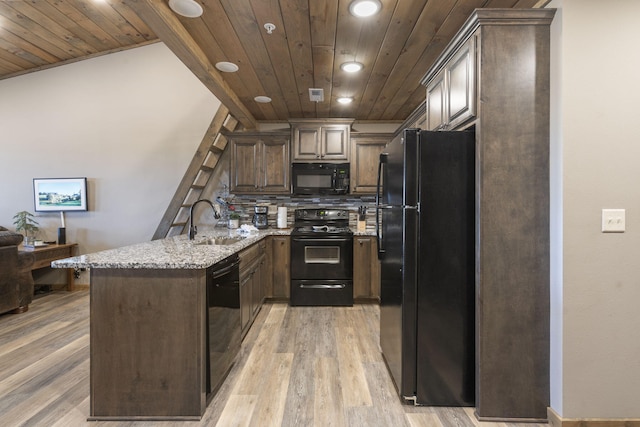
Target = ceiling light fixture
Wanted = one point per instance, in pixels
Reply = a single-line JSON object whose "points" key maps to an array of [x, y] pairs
{"points": [[187, 8], [262, 99], [364, 8], [227, 67], [345, 100], [269, 27], [351, 67]]}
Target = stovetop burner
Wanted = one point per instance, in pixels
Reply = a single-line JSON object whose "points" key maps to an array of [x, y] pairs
{"points": [[330, 229], [321, 222]]}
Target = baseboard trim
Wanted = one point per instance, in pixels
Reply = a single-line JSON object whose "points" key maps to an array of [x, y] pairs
{"points": [[556, 420], [509, 420]]}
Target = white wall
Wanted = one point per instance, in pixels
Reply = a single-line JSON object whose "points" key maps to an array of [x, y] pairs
{"points": [[130, 122], [595, 92]]}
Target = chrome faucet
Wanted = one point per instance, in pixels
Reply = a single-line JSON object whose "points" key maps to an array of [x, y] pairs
{"points": [[193, 230]]}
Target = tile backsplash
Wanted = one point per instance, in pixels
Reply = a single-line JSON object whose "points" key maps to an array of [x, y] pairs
{"points": [[244, 206]]}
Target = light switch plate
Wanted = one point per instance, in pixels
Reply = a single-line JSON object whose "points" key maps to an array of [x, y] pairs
{"points": [[613, 220]]}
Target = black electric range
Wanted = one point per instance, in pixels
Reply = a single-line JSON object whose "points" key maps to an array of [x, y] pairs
{"points": [[321, 258]]}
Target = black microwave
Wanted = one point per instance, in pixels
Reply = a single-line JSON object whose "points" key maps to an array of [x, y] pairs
{"points": [[320, 178]]}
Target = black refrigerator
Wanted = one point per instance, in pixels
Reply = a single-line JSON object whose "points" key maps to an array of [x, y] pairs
{"points": [[425, 226]]}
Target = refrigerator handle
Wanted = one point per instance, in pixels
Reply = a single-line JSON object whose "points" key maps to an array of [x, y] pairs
{"points": [[379, 242]]}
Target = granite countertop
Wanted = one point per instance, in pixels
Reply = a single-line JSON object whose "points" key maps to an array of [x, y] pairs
{"points": [[367, 232], [174, 252], [170, 253]]}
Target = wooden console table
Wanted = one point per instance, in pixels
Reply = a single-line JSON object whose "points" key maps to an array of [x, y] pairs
{"points": [[46, 254]]}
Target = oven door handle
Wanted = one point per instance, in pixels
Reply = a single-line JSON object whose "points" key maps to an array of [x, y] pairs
{"points": [[315, 240], [323, 286]]}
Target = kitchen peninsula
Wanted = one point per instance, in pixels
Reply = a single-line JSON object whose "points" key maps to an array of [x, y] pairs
{"points": [[148, 332]]}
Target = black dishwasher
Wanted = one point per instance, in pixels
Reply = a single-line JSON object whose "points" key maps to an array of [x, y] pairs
{"points": [[223, 320]]}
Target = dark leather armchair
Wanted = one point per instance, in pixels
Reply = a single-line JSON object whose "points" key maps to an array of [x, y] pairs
{"points": [[16, 282]]}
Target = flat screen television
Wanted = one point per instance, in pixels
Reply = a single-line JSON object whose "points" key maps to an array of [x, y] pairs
{"points": [[60, 194]]}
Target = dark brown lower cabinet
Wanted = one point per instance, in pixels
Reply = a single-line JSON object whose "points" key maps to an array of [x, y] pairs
{"points": [[246, 286], [258, 291], [280, 268], [252, 273], [366, 270], [148, 344]]}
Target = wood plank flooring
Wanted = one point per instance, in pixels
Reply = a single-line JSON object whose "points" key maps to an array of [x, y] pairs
{"points": [[299, 366]]}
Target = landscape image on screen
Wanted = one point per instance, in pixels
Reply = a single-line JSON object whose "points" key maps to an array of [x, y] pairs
{"points": [[60, 194]]}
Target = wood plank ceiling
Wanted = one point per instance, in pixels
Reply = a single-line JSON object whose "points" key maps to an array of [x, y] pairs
{"points": [[310, 41]]}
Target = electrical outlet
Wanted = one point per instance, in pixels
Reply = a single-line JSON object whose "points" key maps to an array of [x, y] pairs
{"points": [[613, 220]]}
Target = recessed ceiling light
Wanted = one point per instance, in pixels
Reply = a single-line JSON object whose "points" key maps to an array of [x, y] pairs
{"points": [[262, 99], [364, 8], [351, 67], [345, 100], [227, 67], [188, 8]]}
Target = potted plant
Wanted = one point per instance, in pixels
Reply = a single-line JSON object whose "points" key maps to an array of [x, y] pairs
{"points": [[234, 220], [25, 222]]}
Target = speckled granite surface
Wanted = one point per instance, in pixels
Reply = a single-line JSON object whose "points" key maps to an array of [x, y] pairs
{"points": [[367, 232], [170, 253]]}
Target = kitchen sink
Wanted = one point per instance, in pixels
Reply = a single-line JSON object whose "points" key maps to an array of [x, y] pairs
{"points": [[221, 241]]}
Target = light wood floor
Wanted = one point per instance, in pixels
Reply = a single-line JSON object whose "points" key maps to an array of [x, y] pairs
{"points": [[299, 366]]}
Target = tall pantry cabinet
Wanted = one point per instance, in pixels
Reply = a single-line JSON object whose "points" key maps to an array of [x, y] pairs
{"points": [[494, 77]]}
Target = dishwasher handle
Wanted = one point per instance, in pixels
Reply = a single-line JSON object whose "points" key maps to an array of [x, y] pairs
{"points": [[227, 266]]}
